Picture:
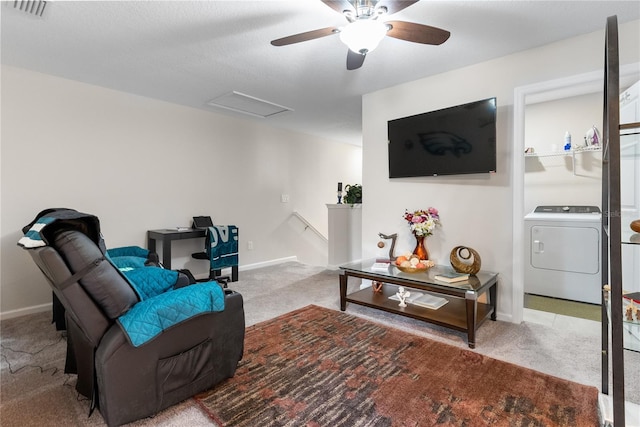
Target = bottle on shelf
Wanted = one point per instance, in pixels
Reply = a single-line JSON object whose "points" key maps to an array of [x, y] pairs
{"points": [[567, 141]]}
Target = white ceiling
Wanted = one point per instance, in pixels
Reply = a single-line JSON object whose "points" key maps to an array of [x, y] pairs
{"points": [[188, 52]]}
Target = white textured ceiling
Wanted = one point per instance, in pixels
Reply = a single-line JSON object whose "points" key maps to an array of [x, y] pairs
{"points": [[188, 52]]}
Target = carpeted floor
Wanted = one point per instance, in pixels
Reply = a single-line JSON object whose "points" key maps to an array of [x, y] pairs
{"points": [[321, 367], [32, 353]]}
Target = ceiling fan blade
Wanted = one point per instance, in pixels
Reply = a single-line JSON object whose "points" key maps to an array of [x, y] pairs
{"points": [[395, 6], [303, 37], [339, 5], [354, 60], [417, 33]]}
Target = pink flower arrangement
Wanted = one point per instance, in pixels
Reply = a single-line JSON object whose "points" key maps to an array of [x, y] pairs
{"points": [[423, 222]]}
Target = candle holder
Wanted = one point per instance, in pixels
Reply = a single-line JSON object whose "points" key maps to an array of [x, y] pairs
{"points": [[339, 197]]}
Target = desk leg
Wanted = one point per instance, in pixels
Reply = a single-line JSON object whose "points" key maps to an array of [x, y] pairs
{"points": [[166, 253], [151, 244], [472, 310], [343, 292], [234, 273], [493, 295]]}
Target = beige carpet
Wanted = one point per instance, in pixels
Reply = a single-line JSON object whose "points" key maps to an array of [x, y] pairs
{"points": [[35, 392]]}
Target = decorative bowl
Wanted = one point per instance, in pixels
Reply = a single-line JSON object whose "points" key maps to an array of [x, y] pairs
{"points": [[412, 269], [428, 264]]}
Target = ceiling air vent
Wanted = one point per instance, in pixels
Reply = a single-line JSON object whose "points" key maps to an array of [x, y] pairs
{"points": [[241, 103], [32, 7]]}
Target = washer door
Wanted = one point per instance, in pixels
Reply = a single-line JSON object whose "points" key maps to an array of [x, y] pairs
{"points": [[573, 249]]}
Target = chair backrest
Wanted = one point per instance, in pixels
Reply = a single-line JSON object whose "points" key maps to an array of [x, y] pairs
{"points": [[101, 280], [77, 303], [91, 289]]}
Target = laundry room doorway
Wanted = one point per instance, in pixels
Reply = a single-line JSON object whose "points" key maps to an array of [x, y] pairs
{"points": [[547, 175], [562, 194]]}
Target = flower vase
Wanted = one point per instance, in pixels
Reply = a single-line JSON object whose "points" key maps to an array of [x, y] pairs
{"points": [[421, 249]]}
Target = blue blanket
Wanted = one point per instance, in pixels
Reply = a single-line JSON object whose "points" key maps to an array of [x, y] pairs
{"points": [[160, 305], [222, 246], [148, 281], [149, 318], [132, 251], [128, 257]]}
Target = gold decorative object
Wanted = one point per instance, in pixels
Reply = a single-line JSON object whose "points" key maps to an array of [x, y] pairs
{"points": [[635, 225], [412, 269], [465, 260], [410, 263]]}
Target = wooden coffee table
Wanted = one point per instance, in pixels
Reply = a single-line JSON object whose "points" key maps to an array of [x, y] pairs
{"points": [[463, 311]]}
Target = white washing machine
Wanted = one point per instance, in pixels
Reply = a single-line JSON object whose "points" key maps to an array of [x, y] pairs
{"points": [[563, 253]]}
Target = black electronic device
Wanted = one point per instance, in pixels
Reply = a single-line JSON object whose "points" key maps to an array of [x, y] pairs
{"points": [[451, 141], [202, 222]]}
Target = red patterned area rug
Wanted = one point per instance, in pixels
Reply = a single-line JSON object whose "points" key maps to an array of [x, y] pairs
{"points": [[319, 367]]}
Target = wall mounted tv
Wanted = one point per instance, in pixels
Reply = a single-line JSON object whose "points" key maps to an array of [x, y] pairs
{"points": [[452, 141]]}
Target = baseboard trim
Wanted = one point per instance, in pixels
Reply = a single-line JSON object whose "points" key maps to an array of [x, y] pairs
{"points": [[268, 263], [25, 311], [504, 317], [227, 271]]}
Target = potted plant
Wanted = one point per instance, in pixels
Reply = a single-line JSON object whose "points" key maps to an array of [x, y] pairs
{"points": [[354, 194]]}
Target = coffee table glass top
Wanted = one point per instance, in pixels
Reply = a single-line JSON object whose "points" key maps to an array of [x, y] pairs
{"points": [[475, 282]]}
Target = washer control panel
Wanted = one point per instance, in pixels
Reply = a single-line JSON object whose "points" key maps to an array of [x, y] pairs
{"points": [[568, 209]]}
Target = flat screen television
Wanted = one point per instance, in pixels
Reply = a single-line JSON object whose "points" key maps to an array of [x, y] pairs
{"points": [[452, 141]]}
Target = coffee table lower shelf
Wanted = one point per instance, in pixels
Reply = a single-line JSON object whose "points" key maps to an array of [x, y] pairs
{"points": [[452, 315]]}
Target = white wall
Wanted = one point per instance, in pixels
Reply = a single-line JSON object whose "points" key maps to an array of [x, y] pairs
{"points": [[475, 210], [141, 164], [558, 180]]}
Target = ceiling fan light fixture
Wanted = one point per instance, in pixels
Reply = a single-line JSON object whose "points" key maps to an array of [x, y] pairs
{"points": [[363, 36]]}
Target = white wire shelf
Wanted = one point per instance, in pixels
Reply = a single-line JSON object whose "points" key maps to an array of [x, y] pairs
{"points": [[571, 152]]}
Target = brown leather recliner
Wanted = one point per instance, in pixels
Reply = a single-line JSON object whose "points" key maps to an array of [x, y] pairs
{"points": [[124, 381]]}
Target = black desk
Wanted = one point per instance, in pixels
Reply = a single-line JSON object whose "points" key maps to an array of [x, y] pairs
{"points": [[167, 235]]}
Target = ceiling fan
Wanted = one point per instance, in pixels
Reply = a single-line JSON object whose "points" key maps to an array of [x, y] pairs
{"points": [[367, 27]]}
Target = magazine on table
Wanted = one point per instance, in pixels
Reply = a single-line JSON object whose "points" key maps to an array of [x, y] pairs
{"points": [[380, 265], [422, 299]]}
